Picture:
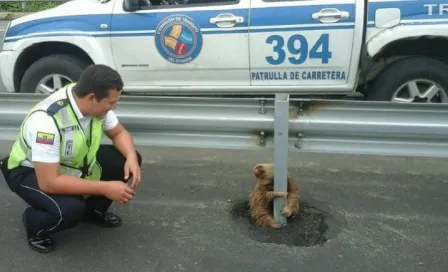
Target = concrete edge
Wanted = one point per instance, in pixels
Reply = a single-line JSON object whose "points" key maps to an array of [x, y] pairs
{"points": [[7, 16]]}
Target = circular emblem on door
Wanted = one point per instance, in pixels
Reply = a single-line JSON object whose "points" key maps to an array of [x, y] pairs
{"points": [[178, 39]]}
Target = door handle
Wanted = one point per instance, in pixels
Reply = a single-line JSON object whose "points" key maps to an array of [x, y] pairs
{"points": [[226, 20], [330, 15]]}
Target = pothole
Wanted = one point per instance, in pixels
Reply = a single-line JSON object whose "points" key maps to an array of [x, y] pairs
{"points": [[312, 226]]}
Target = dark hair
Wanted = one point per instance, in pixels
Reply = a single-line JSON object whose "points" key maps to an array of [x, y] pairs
{"points": [[98, 79]]}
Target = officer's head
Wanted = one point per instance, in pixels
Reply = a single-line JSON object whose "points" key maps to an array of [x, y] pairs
{"points": [[98, 90]]}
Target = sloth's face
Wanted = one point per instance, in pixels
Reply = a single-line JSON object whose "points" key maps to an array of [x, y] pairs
{"points": [[264, 173]]}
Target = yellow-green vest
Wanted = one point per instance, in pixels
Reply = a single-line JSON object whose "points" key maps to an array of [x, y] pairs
{"points": [[77, 154]]}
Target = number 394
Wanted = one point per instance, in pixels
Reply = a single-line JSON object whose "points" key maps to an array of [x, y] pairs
{"points": [[298, 46]]}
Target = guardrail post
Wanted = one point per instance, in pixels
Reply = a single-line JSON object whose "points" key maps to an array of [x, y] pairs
{"points": [[281, 133]]}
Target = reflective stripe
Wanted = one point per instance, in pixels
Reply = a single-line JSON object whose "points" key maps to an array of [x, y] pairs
{"points": [[70, 171], [63, 122]]}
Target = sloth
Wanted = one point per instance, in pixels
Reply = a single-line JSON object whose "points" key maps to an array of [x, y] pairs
{"points": [[262, 195]]}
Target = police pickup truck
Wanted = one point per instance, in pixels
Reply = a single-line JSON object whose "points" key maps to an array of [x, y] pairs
{"points": [[390, 50]]}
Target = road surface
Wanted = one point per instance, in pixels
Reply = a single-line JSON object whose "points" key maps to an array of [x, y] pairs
{"points": [[359, 213]]}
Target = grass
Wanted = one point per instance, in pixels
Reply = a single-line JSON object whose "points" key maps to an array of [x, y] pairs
{"points": [[29, 6]]}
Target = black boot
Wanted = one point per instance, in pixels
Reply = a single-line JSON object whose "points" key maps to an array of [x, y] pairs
{"points": [[42, 244], [107, 219]]}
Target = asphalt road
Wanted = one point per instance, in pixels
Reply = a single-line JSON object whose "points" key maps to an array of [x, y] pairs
{"points": [[2, 28], [359, 213]]}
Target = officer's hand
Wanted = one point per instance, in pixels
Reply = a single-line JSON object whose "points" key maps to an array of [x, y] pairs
{"points": [[118, 191], [131, 167]]}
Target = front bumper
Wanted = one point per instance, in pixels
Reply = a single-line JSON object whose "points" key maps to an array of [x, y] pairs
{"points": [[7, 63]]}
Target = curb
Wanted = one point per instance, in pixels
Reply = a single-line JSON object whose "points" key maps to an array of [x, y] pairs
{"points": [[7, 16]]}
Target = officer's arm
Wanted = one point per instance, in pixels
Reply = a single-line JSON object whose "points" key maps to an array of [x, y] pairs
{"points": [[121, 138], [50, 181], [43, 137]]}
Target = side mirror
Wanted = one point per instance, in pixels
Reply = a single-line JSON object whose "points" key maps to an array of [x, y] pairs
{"points": [[131, 5]]}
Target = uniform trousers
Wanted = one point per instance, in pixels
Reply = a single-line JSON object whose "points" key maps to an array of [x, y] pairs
{"points": [[50, 213]]}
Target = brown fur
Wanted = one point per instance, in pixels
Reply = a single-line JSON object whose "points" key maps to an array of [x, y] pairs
{"points": [[262, 195]]}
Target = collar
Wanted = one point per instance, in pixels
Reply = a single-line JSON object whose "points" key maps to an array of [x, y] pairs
{"points": [[78, 113]]}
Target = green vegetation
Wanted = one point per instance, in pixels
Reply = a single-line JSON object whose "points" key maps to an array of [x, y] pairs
{"points": [[28, 6]]}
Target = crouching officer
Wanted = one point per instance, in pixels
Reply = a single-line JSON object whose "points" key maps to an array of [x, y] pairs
{"points": [[58, 166]]}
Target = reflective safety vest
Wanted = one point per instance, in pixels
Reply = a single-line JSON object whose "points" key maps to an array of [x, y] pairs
{"points": [[77, 154]]}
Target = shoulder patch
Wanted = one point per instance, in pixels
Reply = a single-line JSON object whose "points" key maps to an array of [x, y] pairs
{"points": [[56, 106], [45, 138]]}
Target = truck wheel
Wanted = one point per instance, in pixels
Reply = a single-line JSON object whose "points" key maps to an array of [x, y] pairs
{"points": [[414, 79], [51, 73]]}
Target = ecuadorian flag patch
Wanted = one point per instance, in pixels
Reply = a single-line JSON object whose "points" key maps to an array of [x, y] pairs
{"points": [[45, 138]]}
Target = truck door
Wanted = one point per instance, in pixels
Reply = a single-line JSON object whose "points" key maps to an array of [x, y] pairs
{"points": [[176, 44], [305, 46]]}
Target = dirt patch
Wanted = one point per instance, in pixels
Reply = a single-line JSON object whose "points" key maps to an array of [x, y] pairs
{"points": [[313, 226]]}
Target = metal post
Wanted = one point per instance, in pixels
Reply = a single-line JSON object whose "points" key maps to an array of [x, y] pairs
{"points": [[281, 132]]}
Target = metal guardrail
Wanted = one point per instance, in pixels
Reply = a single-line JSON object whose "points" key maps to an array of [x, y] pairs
{"points": [[327, 126], [323, 126]]}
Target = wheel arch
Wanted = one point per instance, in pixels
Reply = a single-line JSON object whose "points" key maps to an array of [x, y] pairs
{"points": [[40, 50], [400, 42]]}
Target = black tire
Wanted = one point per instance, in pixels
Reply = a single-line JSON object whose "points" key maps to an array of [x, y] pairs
{"points": [[63, 64], [396, 74]]}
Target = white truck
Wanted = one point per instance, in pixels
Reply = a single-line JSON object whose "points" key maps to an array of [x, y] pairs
{"points": [[390, 50]]}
